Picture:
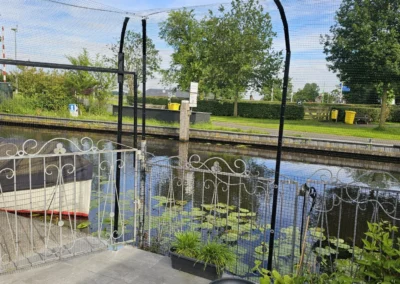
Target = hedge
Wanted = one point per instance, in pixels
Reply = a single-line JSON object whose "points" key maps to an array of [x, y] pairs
{"points": [[394, 114], [256, 109], [154, 100], [373, 113]]}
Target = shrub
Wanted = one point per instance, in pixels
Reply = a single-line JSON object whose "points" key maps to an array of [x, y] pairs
{"points": [[372, 112], [187, 243], [394, 114], [252, 109]]}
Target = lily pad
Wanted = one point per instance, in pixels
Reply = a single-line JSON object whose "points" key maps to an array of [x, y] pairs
{"points": [[198, 213], [181, 202], [161, 199], [230, 237], [83, 225], [263, 248], [221, 210], [207, 226], [317, 233], [325, 251], [335, 241], [208, 207], [221, 205]]}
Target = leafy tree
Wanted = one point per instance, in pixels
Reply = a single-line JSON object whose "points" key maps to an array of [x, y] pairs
{"points": [[81, 82], [133, 57], [228, 52], [96, 84], [309, 93], [106, 82], [362, 94], [364, 45], [46, 89], [184, 33], [275, 86]]}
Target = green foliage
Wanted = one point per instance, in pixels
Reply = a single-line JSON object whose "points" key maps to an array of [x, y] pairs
{"points": [[380, 262], [187, 244], [309, 93], [45, 90], [133, 57], [80, 82], [257, 109], [394, 114], [227, 52], [218, 254], [364, 45], [372, 112]]}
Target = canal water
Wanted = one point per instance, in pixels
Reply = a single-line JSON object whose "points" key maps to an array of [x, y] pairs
{"points": [[295, 165]]}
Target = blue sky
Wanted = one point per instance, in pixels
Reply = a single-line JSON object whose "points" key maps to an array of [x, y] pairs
{"points": [[48, 31]]}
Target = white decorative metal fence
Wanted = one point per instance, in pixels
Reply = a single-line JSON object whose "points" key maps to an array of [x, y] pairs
{"points": [[321, 218], [61, 198]]}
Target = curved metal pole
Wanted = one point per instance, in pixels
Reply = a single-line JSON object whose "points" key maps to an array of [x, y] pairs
{"points": [[119, 135], [280, 137]]}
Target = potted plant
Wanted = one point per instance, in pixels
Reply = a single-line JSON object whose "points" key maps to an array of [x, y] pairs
{"points": [[207, 261]]}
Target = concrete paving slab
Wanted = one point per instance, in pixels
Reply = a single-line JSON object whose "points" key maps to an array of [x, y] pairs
{"points": [[127, 265]]}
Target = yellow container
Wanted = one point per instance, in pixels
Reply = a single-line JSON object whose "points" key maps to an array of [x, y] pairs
{"points": [[349, 117], [173, 106], [334, 114]]}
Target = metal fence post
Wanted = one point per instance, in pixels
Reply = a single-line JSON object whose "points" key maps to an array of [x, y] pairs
{"points": [[119, 135], [280, 138]]}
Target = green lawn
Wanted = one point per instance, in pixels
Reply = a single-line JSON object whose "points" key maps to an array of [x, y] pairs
{"points": [[391, 131]]}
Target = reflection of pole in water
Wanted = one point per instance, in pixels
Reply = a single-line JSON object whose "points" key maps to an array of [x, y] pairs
{"points": [[183, 152], [185, 175]]}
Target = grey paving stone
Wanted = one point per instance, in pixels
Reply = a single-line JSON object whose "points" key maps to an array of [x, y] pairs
{"points": [[128, 265]]}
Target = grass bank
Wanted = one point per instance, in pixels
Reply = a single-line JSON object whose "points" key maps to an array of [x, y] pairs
{"points": [[390, 132]]}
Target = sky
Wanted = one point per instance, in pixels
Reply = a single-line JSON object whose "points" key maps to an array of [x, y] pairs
{"points": [[49, 31]]}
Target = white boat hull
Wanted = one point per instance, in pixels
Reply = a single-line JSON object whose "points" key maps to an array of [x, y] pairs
{"points": [[70, 199]]}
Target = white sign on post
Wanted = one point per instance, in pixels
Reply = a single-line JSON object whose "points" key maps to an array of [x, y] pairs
{"points": [[194, 89]]}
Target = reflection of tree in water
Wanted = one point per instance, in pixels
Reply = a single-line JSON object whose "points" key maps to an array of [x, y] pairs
{"points": [[233, 189], [352, 207], [373, 179]]}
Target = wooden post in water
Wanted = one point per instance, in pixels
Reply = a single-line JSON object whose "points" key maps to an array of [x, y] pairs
{"points": [[184, 124]]}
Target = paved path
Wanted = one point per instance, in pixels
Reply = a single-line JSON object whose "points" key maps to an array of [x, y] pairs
{"points": [[302, 134], [128, 265]]}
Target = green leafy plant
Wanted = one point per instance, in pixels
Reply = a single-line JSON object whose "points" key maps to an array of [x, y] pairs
{"points": [[218, 254], [380, 262], [187, 244]]}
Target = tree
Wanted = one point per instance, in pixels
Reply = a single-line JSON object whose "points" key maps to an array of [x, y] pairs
{"points": [[133, 57], [228, 52], [46, 89], [81, 82], [364, 45], [96, 84], [362, 94], [309, 93], [274, 87]]}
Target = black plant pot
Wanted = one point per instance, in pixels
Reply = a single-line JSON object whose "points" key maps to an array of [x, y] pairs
{"points": [[231, 280], [193, 266]]}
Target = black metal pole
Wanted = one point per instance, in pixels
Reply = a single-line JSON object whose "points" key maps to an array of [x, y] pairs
{"points": [[144, 66], [119, 135], [280, 137], [135, 105]]}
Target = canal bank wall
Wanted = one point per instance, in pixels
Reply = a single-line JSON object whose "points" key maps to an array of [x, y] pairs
{"points": [[342, 148]]}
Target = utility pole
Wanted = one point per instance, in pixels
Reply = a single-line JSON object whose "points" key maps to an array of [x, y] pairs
{"points": [[272, 94], [15, 30]]}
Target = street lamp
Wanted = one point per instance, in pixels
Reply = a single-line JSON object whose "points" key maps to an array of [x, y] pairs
{"points": [[15, 41]]}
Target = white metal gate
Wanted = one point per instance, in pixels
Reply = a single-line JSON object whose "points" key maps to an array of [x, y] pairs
{"points": [[60, 198]]}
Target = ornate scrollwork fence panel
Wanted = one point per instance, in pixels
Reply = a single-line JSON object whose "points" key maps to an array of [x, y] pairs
{"points": [[231, 202], [57, 199]]}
